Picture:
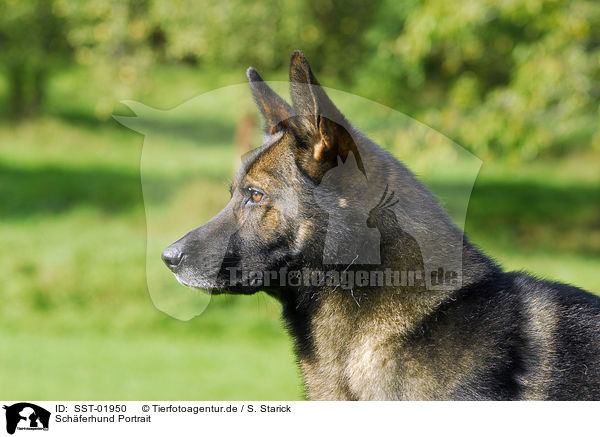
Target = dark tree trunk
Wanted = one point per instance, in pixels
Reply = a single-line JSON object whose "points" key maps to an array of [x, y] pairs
{"points": [[27, 90], [38, 90], [18, 92]]}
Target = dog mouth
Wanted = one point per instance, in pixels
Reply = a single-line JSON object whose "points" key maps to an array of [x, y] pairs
{"points": [[216, 287], [204, 286], [207, 275]]}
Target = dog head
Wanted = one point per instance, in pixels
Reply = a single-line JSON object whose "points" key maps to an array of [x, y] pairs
{"points": [[271, 221]]}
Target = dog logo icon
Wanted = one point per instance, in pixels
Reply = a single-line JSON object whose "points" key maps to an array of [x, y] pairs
{"points": [[26, 416]]}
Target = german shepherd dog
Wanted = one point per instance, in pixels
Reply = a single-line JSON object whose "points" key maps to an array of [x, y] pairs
{"points": [[483, 334]]}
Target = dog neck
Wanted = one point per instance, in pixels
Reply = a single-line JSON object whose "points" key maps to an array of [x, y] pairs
{"points": [[334, 325]]}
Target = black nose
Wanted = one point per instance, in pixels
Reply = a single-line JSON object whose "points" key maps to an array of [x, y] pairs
{"points": [[172, 257]]}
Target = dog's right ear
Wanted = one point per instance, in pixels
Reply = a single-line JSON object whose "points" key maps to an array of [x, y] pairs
{"points": [[324, 128], [274, 109]]}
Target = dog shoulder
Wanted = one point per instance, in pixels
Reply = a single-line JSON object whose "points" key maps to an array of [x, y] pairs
{"points": [[562, 339]]}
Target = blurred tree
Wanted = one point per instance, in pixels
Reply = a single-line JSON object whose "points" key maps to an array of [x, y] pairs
{"points": [[333, 32], [503, 78], [233, 34], [32, 43], [517, 77], [113, 39], [227, 33]]}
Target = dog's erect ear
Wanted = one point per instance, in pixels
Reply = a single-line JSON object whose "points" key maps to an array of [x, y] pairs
{"points": [[318, 119], [274, 109]]}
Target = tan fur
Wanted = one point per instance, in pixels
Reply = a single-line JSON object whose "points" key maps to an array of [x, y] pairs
{"points": [[357, 349]]}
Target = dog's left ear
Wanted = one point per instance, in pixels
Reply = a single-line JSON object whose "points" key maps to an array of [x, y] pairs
{"points": [[276, 111], [319, 121]]}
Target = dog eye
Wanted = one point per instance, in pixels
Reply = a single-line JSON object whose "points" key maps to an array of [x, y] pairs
{"points": [[256, 195]]}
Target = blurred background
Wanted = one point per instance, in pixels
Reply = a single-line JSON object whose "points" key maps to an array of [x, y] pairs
{"points": [[517, 83]]}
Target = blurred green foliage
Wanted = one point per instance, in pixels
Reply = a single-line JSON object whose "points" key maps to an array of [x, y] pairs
{"points": [[509, 78], [516, 79], [499, 77]]}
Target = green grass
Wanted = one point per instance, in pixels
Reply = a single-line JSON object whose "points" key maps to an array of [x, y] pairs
{"points": [[77, 320], [130, 367]]}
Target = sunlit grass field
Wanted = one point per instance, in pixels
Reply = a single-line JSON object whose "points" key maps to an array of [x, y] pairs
{"points": [[77, 321]]}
